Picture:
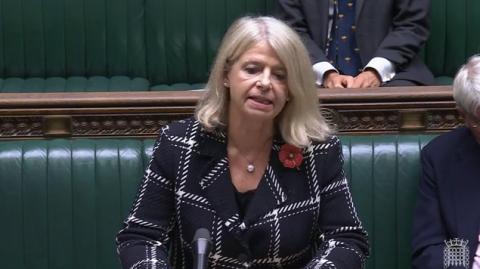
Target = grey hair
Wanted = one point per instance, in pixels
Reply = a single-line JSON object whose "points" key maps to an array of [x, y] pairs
{"points": [[300, 121], [466, 86]]}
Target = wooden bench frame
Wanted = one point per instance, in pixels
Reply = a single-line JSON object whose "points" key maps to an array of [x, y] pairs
{"points": [[132, 114]]}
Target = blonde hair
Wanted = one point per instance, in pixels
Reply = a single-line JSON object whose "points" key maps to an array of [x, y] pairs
{"points": [[466, 86], [300, 121]]}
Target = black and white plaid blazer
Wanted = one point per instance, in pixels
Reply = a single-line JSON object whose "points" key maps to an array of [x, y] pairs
{"points": [[297, 218]]}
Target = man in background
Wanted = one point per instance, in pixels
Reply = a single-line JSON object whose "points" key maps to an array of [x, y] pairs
{"points": [[446, 226], [362, 43]]}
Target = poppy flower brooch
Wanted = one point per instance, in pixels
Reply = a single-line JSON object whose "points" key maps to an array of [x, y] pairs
{"points": [[290, 156]]}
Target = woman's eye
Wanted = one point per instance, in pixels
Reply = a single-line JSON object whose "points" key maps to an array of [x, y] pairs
{"points": [[251, 69], [280, 76]]}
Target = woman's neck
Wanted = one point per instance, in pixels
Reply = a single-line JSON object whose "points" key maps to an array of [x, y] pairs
{"points": [[249, 135]]}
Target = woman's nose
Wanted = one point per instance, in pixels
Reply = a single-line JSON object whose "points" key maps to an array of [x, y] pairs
{"points": [[265, 80]]}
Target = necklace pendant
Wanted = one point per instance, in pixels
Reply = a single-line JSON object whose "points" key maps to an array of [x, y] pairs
{"points": [[250, 168]]}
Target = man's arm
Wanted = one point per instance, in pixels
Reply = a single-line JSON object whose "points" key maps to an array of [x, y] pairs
{"points": [[410, 29], [291, 12], [428, 228]]}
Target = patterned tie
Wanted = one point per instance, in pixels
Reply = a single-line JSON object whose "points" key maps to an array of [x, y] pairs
{"points": [[476, 259], [342, 48]]}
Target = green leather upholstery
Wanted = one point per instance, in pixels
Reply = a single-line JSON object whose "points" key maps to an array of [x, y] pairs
{"points": [[383, 173], [157, 44], [74, 84], [454, 36], [71, 45], [72, 38], [182, 36], [166, 44], [62, 201]]}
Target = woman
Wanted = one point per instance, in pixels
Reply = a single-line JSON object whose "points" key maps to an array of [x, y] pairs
{"points": [[257, 167]]}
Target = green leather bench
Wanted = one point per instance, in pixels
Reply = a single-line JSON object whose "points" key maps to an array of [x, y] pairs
{"points": [[139, 45], [112, 45], [453, 38], [62, 201]]}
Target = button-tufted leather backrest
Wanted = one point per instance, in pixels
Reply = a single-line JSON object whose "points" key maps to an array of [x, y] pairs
{"points": [[62, 201], [72, 38], [383, 172], [170, 43], [183, 36], [454, 36]]}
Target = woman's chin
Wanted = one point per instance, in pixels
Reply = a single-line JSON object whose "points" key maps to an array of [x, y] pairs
{"points": [[261, 115]]}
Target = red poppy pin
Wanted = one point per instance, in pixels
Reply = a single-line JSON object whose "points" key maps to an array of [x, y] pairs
{"points": [[290, 156]]}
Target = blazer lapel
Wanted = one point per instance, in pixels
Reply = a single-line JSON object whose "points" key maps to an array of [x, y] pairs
{"points": [[316, 13], [217, 187], [466, 188], [358, 9], [215, 179], [270, 193]]}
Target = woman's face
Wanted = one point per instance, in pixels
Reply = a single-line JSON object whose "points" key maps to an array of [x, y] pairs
{"points": [[258, 84]]}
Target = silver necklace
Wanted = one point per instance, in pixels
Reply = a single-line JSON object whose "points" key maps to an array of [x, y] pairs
{"points": [[250, 168]]}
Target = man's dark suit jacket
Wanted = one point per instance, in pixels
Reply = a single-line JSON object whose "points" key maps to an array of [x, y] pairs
{"points": [[448, 201], [392, 29], [295, 218]]}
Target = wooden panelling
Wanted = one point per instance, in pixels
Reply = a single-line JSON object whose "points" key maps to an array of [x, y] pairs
{"points": [[131, 114]]}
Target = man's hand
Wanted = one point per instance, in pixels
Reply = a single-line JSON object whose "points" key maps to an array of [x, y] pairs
{"points": [[368, 78], [332, 79]]}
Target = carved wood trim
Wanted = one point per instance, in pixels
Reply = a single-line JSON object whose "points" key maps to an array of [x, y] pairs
{"points": [[119, 114]]}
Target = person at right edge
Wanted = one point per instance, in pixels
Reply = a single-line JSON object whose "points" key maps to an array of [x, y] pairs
{"points": [[446, 223], [362, 43]]}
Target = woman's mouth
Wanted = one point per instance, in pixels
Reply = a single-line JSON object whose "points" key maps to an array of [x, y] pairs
{"points": [[260, 103], [260, 99]]}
